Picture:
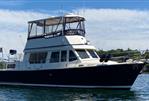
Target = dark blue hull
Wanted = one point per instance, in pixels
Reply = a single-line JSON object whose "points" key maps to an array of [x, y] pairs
{"points": [[102, 76]]}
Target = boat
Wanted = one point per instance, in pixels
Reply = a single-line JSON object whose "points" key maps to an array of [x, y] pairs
{"points": [[57, 54]]}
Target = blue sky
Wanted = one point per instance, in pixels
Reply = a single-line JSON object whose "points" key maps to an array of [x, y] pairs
{"points": [[110, 24], [46, 5]]}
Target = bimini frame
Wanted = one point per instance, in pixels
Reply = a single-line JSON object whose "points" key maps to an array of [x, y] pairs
{"points": [[56, 26]]}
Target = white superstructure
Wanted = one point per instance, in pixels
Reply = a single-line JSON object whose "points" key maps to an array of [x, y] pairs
{"points": [[58, 42]]}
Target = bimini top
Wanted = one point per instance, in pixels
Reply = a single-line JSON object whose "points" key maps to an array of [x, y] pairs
{"points": [[59, 20], [56, 26]]}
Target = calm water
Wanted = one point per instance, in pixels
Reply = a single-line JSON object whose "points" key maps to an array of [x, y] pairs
{"points": [[139, 92]]}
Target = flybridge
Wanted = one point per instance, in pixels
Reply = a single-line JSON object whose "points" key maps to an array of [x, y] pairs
{"points": [[56, 26]]}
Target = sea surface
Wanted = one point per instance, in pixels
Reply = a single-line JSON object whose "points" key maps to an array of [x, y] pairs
{"points": [[138, 92]]}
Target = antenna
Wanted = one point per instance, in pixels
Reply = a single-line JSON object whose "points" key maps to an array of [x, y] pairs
{"points": [[61, 11], [83, 2]]}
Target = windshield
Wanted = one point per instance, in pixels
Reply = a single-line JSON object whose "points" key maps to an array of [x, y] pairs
{"points": [[92, 53], [82, 53]]}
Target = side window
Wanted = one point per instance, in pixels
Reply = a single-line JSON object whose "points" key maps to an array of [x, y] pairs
{"points": [[37, 57], [32, 58], [72, 56], [54, 57], [63, 56]]}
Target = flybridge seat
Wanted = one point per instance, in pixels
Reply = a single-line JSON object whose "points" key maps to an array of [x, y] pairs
{"points": [[56, 26]]}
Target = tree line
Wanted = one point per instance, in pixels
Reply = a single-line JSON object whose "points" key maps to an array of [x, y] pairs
{"points": [[130, 53]]}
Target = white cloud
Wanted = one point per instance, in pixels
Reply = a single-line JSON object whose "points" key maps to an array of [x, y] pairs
{"points": [[117, 28], [106, 28], [13, 28]]}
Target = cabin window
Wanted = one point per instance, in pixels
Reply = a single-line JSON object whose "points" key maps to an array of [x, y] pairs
{"points": [[92, 53], [63, 56], [54, 57], [39, 57], [11, 66], [82, 53], [72, 56]]}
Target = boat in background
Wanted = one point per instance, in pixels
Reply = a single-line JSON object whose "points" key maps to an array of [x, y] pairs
{"points": [[58, 55]]}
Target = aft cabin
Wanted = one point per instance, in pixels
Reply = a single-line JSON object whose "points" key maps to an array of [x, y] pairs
{"points": [[58, 42]]}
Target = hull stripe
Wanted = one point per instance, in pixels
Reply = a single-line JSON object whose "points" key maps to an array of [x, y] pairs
{"points": [[63, 86]]}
